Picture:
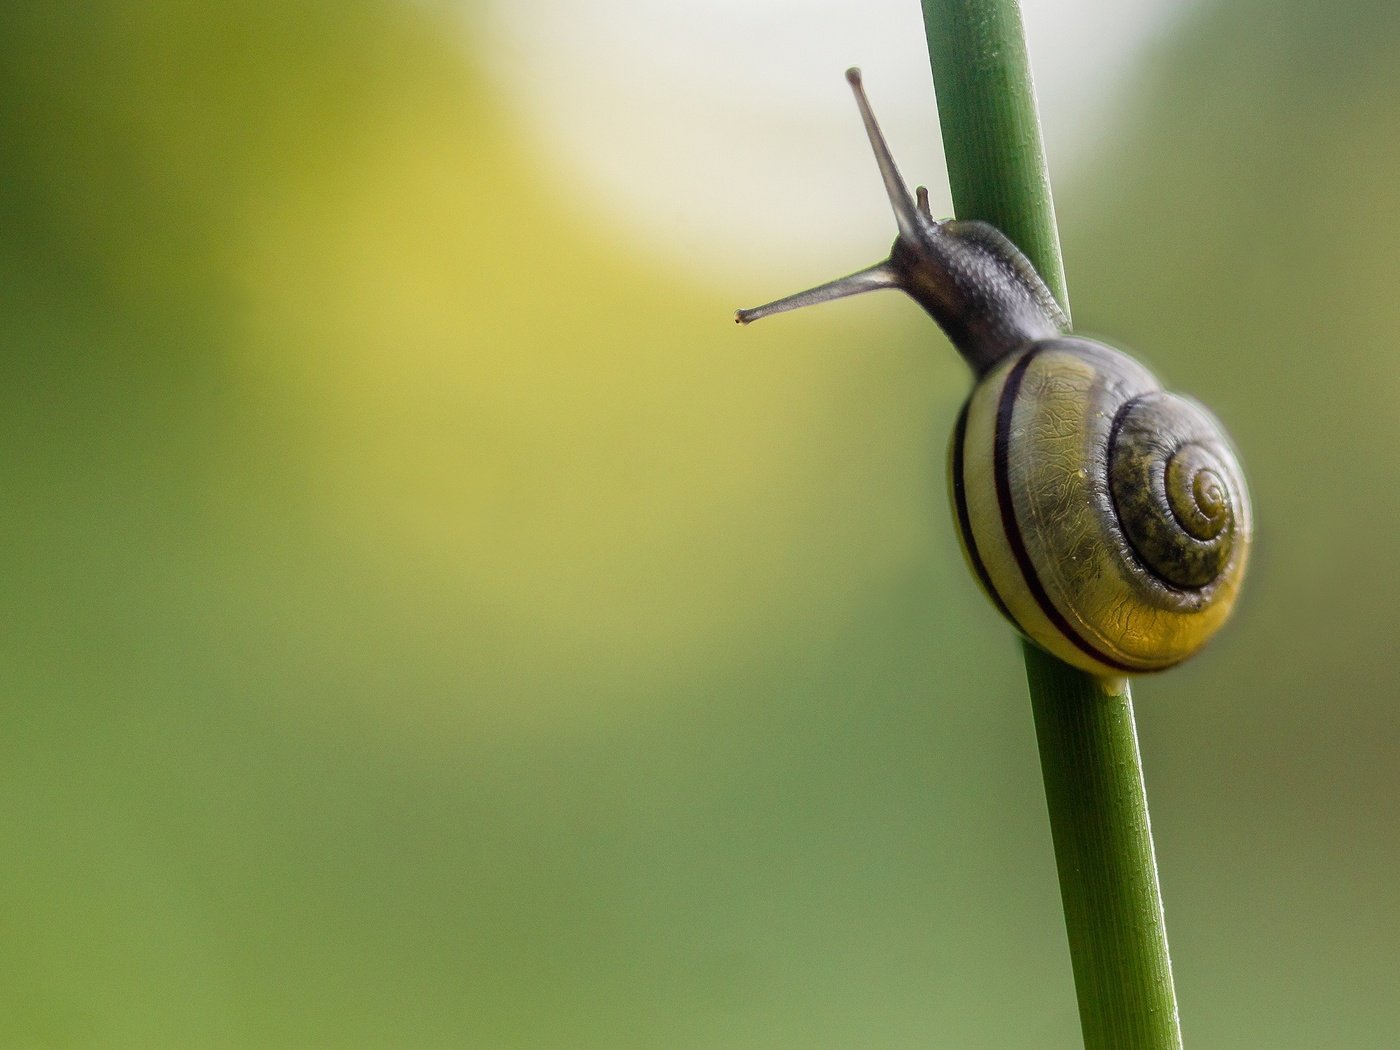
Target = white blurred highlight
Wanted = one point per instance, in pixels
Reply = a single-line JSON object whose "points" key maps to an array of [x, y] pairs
{"points": [[722, 135]]}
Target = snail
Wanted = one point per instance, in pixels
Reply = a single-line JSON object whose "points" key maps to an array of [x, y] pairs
{"points": [[1106, 518]]}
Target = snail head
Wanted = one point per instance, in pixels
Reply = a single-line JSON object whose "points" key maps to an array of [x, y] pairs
{"points": [[976, 285]]}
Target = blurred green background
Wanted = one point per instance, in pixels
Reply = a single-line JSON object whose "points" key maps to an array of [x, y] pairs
{"points": [[430, 623]]}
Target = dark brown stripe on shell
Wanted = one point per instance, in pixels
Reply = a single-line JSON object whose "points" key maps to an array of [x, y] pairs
{"points": [[1001, 466], [965, 519]]}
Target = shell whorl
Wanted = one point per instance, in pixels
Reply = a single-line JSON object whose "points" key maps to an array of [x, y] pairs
{"points": [[1106, 518], [1174, 487]]}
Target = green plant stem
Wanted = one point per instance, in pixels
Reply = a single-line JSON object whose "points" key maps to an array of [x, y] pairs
{"points": [[1103, 850], [1084, 725], [991, 129]]}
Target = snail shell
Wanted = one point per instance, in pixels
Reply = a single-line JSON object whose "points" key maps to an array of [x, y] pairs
{"points": [[1107, 519], [1104, 517]]}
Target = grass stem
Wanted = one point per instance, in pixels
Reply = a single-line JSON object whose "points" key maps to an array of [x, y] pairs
{"points": [[1084, 725]]}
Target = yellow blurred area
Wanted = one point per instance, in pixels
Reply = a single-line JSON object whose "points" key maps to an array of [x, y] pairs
{"points": [[492, 397], [481, 393]]}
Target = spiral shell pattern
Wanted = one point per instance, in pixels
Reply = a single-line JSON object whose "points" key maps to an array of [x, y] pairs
{"points": [[1107, 519]]}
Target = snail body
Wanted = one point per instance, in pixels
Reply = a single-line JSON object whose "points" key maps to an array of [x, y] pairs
{"points": [[1106, 518]]}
